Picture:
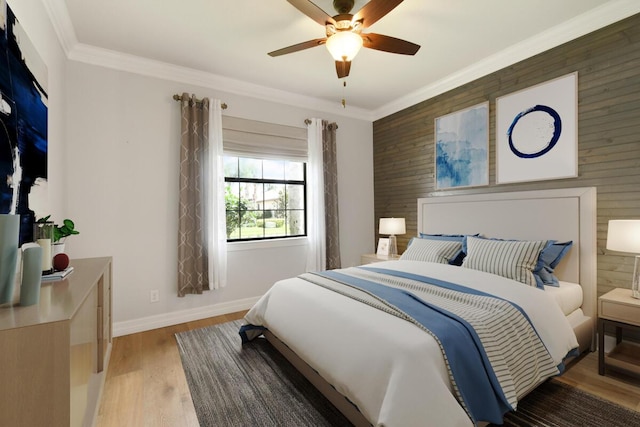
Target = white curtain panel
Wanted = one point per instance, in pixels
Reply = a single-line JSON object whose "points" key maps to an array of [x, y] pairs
{"points": [[217, 242], [316, 230]]}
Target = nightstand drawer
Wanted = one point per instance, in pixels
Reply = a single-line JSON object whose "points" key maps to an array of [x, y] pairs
{"points": [[620, 312]]}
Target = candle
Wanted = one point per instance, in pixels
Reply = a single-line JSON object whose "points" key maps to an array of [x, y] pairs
{"points": [[47, 258]]}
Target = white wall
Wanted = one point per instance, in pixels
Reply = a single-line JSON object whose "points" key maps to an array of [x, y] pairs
{"points": [[122, 168]]}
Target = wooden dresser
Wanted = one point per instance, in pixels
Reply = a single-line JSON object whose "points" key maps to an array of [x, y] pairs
{"points": [[53, 356]]}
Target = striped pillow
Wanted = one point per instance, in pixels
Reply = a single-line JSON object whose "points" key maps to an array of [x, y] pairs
{"points": [[427, 250], [513, 259]]}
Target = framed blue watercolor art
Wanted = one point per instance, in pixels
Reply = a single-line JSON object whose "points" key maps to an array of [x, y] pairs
{"points": [[462, 148]]}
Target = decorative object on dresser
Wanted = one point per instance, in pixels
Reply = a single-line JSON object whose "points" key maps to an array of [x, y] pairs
{"points": [[60, 233], [60, 261], [43, 236], [617, 308], [392, 227], [9, 233], [623, 235], [31, 274]]}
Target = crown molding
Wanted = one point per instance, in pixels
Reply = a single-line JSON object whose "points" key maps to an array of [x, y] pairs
{"points": [[581, 25], [59, 16], [595, 19], [162, 70]]}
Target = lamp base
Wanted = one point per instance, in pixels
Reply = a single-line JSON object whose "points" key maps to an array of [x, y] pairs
{"points": [[635, 283], [393, 247]]}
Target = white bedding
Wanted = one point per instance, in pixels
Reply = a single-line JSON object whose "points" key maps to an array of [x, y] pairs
{"points": [[567, 295], [389, 368]]}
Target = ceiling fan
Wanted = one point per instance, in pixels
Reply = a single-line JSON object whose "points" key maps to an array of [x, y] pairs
{"points": [[344, 31]]}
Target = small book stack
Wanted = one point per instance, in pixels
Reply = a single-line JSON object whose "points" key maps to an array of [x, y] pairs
{"points": [[57, 275]]}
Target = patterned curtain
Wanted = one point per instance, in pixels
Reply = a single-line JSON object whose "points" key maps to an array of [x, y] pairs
{"points": [[322, 200], [330, 166], [201, 266]]}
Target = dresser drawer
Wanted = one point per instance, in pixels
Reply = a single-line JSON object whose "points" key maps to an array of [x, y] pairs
{"points": [[620, 312]]}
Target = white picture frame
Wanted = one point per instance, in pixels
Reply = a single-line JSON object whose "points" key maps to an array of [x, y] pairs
{"points": [[383, 246], [537, 132]]}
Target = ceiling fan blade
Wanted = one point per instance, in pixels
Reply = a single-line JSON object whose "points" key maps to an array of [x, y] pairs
{"points": [[374, 10], [389, 44], [343, 68], [300, 46], [313, 11]]}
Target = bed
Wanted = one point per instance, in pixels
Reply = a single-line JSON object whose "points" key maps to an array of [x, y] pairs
{"points": [[380, 368]]}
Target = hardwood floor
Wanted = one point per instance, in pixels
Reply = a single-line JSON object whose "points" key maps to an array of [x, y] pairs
{"points": [[146, 386], [614, 386]]}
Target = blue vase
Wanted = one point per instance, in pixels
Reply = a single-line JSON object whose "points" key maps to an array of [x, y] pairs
{"points": [[9, 237]]}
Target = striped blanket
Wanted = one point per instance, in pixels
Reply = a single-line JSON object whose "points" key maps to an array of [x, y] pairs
{"points": [[491, 350]]}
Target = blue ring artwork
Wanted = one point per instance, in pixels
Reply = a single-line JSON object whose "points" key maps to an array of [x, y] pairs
{"points": [[557, 129]]}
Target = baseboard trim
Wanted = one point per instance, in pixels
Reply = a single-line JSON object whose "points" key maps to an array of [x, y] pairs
{"points": [[175, 318]]}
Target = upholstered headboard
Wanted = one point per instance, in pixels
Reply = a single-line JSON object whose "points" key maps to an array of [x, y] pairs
{"points": [[560, 214]]}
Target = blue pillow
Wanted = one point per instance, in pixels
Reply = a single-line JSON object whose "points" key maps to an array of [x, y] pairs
{"points": [[456, 260], [549, 258]]}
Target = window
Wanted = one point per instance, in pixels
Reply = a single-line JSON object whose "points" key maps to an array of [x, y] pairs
{"points": [[264, 198]]}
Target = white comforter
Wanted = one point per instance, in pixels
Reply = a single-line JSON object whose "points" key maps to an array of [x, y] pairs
{"points": [[389, 368]]}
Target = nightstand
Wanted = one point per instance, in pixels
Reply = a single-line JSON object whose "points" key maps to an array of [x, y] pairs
{"points": [[370, 258], [619, 309]]}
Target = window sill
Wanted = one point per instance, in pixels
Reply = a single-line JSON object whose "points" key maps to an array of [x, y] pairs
{"points": [[266, 244]]}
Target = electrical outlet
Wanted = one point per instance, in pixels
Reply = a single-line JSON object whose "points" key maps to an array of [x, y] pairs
{"points": [[154, 295]]}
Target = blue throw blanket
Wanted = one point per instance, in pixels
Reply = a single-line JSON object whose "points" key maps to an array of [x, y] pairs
{"points": [[474, 376]]}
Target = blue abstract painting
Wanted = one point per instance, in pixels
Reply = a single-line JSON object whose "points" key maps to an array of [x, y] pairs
{"points": [[462, 148], [23, 123]]}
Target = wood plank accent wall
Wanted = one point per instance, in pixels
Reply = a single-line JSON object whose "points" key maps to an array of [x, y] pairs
{"points": [[608, 66]]}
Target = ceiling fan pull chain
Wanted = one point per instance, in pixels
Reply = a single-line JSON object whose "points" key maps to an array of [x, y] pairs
{"points": [[344, 90]]}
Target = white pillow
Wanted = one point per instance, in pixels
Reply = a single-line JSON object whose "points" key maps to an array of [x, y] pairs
{"points": [[427, 250], [513, 259]]}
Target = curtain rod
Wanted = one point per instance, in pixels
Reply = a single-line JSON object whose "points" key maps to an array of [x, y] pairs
{"points": [[308, 122], [178, 98]]}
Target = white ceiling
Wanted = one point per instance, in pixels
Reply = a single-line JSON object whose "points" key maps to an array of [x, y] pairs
{"points": [[228, 41]]}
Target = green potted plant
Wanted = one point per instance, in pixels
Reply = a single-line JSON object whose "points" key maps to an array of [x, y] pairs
{"points": [[60, 233]]}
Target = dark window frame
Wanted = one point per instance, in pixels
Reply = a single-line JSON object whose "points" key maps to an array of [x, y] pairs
{"points": [[284, 182]]}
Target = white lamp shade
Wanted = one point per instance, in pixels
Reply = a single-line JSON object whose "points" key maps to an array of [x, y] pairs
{"points": [[392, 226], [624, 235], [344, 45]]}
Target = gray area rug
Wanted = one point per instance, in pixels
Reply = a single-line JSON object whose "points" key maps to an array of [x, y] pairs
{"points": [[253, 385], [250, 385], [555, 404]]}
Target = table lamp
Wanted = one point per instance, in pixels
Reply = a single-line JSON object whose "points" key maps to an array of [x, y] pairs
{"points": [[392, 226], [624, 236]]}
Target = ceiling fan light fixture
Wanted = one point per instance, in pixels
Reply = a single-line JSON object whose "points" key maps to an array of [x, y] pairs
{"points": [[344, 45]]}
